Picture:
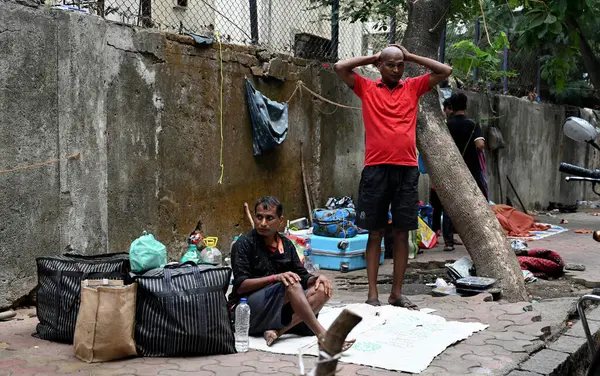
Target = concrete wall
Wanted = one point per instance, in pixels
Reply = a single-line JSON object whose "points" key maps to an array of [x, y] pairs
{"points": [[535, 146], [140, 112]]}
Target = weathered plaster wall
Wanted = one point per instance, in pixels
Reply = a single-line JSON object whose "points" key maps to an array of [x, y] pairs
{"points": [[141, 113]]}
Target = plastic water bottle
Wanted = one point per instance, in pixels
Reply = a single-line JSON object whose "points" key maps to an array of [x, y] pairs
{"points": [[308, 264], [242, 326]]}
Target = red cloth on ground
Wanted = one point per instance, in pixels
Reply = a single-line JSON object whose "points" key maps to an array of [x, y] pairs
{"points": [[543, 263], [516, 223]]}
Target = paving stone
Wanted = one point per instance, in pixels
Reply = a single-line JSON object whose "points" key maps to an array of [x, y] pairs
{"points": [[173, 372], [577, 329], [191, 364], [108, 372], [485, 361], [478, 339], [515, 345], [523, 373], [593, 314], [546, 362], [500, 326], [259, 374], [457, 366], [567, 344], [536, 329], [266, 368], [523, 319], [514, 308], [485, 350], [220, 370], [151, 369]]}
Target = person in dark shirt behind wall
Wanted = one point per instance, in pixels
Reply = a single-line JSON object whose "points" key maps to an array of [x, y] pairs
{"points": [[469, 139], [283, 296]]}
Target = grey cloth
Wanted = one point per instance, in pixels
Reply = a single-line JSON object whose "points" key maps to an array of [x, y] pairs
{"points": [[267, 312], [269, 120]]}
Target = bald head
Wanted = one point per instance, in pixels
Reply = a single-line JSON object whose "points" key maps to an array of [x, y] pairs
{"points": [[392, 53]]}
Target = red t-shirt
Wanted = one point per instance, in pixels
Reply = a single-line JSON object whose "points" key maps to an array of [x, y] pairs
{"points": [[390, 118]]}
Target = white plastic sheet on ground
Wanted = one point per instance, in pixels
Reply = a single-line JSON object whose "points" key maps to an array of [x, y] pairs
{"points": [[387, 337]]}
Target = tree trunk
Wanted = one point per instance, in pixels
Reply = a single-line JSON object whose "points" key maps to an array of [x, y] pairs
{"points": [[476, 223], [590, 61]]}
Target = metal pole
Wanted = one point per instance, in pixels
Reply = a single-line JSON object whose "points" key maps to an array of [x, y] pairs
{"points": [[393, 29], [335, 29], [505, 66], [253, 21], [443, 45], [476, 43]]}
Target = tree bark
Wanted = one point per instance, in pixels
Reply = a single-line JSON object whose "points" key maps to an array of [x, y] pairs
{"points": [[334, 341], [471, 215], [590, 60]]}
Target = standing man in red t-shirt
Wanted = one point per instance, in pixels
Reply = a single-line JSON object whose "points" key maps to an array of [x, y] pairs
{"points": [[390, 177]]}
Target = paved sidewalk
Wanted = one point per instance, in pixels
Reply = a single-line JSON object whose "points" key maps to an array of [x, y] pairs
{"points": [[514, 332], [512, 335]]}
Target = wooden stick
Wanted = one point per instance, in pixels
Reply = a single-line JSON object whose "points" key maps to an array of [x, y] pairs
{"points": [[306, 193], [334, 341], [247, 209], [516, 194]]}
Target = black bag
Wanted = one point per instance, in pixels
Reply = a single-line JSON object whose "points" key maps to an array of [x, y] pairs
{"points": [[182, 310], [59, 289]]}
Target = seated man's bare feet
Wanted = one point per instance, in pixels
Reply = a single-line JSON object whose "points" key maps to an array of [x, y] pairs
{"points": [[348, 344], [345, 347], [270, 336]]}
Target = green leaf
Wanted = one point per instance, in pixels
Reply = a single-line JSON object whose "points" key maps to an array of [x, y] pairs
{"points": [[542, 32], [550, 19], [556, 28], [535, 23]]}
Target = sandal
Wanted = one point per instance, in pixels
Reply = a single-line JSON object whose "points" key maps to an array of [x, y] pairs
{"points": [[374, 302], [403, 302]]}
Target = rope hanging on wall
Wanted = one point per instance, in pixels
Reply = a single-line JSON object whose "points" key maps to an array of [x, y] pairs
{"points": [[46, 163]]}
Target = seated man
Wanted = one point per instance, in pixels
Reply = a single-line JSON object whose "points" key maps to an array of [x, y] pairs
{"points": [[283, 297]]}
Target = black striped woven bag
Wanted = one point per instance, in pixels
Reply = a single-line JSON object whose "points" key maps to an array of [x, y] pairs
{"points": [[182, 311], [59, 289]]}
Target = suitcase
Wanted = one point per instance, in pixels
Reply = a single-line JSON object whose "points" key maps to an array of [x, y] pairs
{"points": [[330, 253], [59, 289]]}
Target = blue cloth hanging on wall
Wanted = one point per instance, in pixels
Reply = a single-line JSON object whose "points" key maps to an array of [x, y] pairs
{"points": [[269, 120]]}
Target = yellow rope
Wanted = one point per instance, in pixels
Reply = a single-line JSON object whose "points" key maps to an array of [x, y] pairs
{"points": [[221, 108], [301, 85], [49, 162]]}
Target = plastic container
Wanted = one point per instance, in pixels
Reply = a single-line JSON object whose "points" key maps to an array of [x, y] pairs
{"points": [[191, 256], [242, 326], [211, 254]]}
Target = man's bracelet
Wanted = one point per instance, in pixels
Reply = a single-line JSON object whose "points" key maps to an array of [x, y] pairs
{"points": [[272, 278]]}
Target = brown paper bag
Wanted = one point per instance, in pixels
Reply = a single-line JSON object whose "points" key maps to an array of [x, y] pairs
{"points": [[106, 321]]}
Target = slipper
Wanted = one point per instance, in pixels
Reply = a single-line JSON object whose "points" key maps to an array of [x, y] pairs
{"points": [[458, 242], [374, 302], [403, 302], [449, 248]]}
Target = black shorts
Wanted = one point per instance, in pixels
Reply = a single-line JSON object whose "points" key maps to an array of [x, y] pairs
{"points": [[385, 188]]}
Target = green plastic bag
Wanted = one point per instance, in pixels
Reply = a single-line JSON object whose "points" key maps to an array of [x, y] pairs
{"points": [[147, 253]]}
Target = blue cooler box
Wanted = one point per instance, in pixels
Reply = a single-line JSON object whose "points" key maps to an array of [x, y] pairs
{"points": [[329, 253]]}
